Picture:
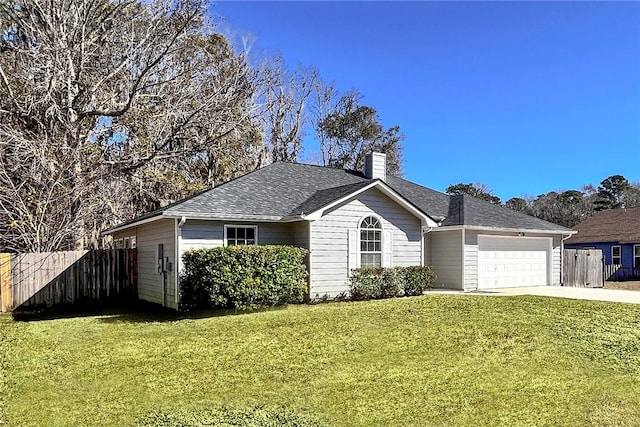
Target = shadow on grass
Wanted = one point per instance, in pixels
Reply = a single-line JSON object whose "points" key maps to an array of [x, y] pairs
{"points": [[129, 312]]}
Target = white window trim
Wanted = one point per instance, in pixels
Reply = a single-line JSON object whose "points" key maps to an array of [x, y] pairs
{"points": [[226, 226], [359, 246], [618, 256], [635, 256]]}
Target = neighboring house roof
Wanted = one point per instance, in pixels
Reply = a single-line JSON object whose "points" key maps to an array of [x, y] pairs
{"points": [[614, 225], [286, 191]]}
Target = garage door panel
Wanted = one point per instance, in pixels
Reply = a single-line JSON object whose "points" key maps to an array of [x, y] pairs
{"points": [[512, 261], [512, 244]]}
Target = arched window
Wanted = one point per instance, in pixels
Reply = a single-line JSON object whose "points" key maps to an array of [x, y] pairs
{"points": [[370, 242]]}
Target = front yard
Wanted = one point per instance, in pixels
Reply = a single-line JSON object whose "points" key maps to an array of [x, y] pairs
{"points": [[433, 360]]}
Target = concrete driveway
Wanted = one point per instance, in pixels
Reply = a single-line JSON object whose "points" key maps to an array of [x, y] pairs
{"points": [[594, 294]]}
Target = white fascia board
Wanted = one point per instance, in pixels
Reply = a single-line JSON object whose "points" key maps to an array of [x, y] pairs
{"points": [[501, 229], [135, 224], [235, 217], [385, 189], [208, 217]]}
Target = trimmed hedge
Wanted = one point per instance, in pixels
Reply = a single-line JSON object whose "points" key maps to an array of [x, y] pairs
{"points": [[243, 277], [376, 283]]}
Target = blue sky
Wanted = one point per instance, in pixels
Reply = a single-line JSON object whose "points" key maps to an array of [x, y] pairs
{"points": [[525, 97]]}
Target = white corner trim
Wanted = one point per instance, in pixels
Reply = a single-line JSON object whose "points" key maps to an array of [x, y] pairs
{"points": [[463, 259]]}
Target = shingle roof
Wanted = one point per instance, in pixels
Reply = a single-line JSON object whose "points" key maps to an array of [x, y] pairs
{"points": [[615, 225], [284, 190], [322, 198], [480, 213], [278, 190]]}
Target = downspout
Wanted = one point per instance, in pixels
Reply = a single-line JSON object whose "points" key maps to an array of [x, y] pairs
{"points": [[425, 230], [309, 243], [178, 266]]}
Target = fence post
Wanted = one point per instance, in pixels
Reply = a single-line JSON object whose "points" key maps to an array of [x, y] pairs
{"points": [[5, 282]]}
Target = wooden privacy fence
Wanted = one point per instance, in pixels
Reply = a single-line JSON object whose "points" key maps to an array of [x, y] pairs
{"points": [[56, 278], [617, 272], [583, 268]]}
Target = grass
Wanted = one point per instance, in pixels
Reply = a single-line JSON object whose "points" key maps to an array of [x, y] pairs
{"points": [[434, 360]]}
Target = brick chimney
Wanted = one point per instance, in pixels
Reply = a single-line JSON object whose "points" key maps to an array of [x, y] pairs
{"points": [[375, 166]]}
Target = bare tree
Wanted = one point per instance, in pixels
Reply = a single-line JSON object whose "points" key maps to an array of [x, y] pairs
{"points": [[631, 195], [113, 100], [285, 94], [325, 102]]}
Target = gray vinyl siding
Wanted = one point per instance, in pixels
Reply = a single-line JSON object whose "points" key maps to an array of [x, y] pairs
{"points": [[329, 243], [375, 166], [427, 249], [556, 261], [470, 260], [198, 234], [446, 258], [148, 237], [300, 234], [275, 234]]}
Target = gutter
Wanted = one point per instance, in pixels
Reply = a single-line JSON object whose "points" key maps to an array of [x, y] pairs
{"points": [[502, 229], [568, 236], [208, 217]]}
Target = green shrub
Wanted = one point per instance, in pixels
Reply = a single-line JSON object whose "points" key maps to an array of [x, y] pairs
{"points": [[243, 277], [252, 417], [375, 283], [366, 283], [417, 279], [391, 283]]}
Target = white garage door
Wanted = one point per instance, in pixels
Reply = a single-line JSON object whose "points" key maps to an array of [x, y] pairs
{"points": [[505, 262]]}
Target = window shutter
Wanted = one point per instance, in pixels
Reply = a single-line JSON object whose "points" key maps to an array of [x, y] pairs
{"points": [[387, 250], [353, 249]]}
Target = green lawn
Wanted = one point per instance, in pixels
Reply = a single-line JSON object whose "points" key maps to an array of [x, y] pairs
{"points": [[435, 360]]}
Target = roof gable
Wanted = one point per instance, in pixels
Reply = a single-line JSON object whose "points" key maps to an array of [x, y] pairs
{"points": [[336, 196]]}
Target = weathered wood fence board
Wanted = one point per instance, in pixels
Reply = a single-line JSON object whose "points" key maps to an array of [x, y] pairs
{"points": [[56, 278], [617, 272], [5, 281], [583, 268]]}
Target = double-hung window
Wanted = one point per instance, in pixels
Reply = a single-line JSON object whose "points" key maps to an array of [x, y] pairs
{"points": [[240, 235], [636, 256], [616, 255], [370, 242]]}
